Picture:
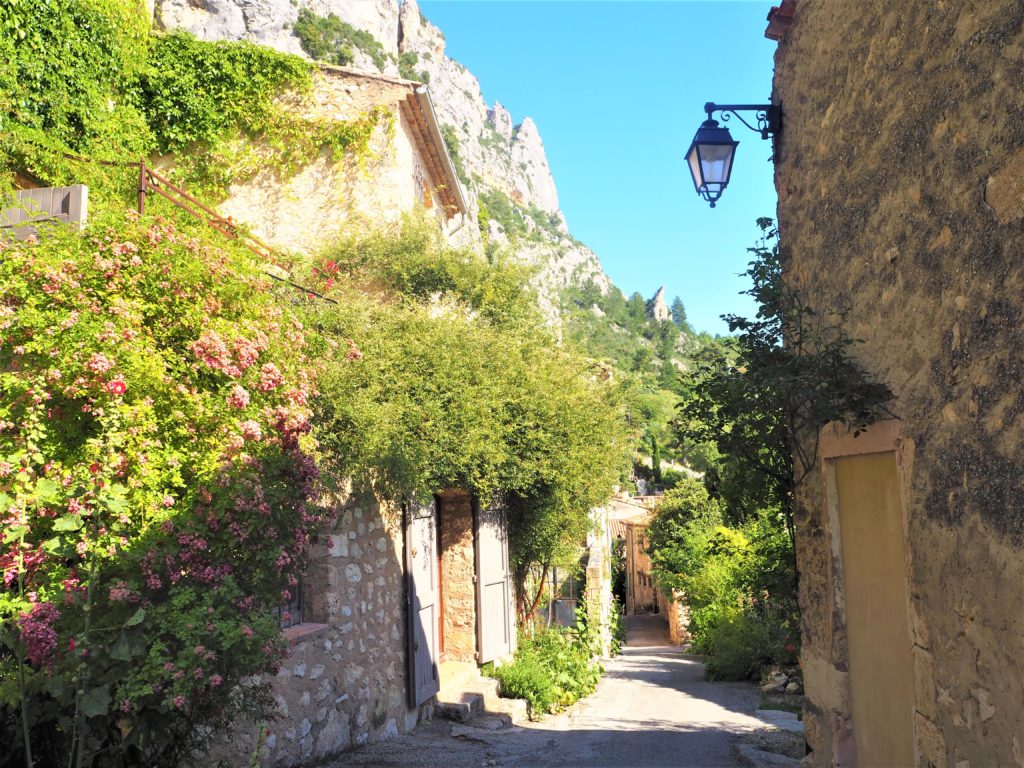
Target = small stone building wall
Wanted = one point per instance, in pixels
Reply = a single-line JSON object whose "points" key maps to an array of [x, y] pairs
{"points": [[458, 566], [677, 612], [306, 211], [344, 683], [899, 172]]}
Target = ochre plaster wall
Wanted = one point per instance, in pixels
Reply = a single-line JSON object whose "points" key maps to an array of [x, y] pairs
{"points": [[899, 179]]}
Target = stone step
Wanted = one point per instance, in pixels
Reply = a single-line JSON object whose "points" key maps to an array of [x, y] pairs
{"points": [[455, 674], [461, 706], [465, 694], [515, 709]]}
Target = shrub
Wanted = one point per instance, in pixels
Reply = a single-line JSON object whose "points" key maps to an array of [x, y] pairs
{"points": [[738, 581], [738, 640], [551, 670], [331, 40], [155, 478]]}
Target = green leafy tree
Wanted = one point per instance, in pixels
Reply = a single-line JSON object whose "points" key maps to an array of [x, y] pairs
{"points": [[792, 373], [679, 315], [426, 408], [655, 460]]}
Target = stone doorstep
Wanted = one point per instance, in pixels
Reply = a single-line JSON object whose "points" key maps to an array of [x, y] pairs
{"points": [[466, 694]]}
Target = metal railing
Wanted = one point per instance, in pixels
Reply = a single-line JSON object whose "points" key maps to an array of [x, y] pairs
{"points": [[150, 181]]}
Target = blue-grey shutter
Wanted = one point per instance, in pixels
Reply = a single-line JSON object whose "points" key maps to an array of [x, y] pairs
{"points": [[422, 590]]}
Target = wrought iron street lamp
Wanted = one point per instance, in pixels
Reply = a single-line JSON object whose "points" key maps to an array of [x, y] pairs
{"points": [[713, 148]]}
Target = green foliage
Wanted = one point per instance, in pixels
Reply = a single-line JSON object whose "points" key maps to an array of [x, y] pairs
{"points": [[679, 315], [65, 61], [519, 222], [195, 91], [451, 142], [500, 208], [737, 581], [331, 40], [155, 489], [552, 669], [222, 96], [680, 535], [791, 375], [743, 638], [88, 79], [619, 628], [427, 407], [407, 62]]}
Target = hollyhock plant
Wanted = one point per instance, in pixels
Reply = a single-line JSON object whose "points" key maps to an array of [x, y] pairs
{"points": [[124, 494]]}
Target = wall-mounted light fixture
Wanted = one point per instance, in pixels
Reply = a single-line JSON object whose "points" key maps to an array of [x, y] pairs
{"points": [[713, 148]]}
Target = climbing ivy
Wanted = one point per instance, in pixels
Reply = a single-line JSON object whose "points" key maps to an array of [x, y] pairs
{"points": [[88, 79]]}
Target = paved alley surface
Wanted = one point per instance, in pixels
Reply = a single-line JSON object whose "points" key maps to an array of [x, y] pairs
{"points": [[651, 708]]}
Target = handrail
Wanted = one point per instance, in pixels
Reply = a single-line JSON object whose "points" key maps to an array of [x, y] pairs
{"points": [[151, 181]]}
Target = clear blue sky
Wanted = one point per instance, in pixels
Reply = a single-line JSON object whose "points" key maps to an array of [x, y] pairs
{"points": [[617, 90]]}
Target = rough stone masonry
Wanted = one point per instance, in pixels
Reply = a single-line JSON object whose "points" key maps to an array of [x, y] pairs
{"points": [[898, 172]]}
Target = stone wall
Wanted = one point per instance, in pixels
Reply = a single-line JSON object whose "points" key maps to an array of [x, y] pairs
{"points": [[458, 565], [306, 211], [344, 683], [898, 173], [677, 612]]}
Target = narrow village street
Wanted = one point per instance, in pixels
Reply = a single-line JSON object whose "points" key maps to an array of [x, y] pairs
{"points": [[653, 707]]}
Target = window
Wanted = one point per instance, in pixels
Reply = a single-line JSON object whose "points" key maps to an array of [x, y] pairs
{"points": [[290, 613]]}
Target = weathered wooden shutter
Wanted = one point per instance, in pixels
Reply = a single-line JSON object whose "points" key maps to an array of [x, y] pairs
{"points": [[421, 578], [496, 636]]}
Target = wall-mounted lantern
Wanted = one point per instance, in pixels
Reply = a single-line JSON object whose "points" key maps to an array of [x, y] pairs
{"points": [[713, 148]]}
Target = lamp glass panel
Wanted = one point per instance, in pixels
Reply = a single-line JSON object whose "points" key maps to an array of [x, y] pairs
{"points": [[694, 160], [716, 162]]}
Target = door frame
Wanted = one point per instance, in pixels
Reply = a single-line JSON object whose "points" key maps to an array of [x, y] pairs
{"points": [[838, 441]]}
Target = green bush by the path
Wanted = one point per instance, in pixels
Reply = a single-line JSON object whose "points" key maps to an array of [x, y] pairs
{"points": [[738, 581], [551, 670]]}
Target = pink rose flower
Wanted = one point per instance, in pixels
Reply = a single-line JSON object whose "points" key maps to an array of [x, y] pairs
{"points": [[239, 397]]}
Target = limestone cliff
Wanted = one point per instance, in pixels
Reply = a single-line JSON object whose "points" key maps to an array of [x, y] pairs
{"points": [[657, 308], [497, 156]]}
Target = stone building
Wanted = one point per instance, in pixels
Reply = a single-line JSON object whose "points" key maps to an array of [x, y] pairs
{"points": [[407, 165], [628, 520], [900, 175], [395, 598], [399, 597]]}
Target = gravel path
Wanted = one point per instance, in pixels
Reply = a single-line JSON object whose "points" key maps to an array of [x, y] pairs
{"points": [[652, 708]]}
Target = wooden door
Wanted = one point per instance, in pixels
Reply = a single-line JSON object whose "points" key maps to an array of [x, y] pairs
{"points": [[423, 604], [878, 629], [496, 636]]}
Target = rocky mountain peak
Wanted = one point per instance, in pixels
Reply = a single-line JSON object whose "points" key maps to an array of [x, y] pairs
{"points": [[500, 118], [658, 309]]}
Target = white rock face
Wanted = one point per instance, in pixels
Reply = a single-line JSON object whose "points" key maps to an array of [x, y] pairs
{"points": [[500, 118], [657, 309], [269, 22], [534, 183]]}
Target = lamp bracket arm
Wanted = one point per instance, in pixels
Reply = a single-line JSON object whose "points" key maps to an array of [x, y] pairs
{"points": [[768, 116]]}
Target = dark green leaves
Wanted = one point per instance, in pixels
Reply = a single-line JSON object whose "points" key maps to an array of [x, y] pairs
{"points": [[95, 702]]}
